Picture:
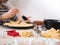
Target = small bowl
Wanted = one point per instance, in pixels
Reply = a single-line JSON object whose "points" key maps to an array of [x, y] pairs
{"points": [[52, 23], [38, 22]]}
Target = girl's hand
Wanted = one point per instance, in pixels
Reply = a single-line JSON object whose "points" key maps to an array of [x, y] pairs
{"points": [[21, 20], [13, 11], [28, 19]]}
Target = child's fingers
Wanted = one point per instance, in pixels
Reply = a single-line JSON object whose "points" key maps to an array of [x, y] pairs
{"points": [[29, 17]]}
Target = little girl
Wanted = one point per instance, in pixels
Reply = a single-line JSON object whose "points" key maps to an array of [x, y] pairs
{"points": [[9, 12]]}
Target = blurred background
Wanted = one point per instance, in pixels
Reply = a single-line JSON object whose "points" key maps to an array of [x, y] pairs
{"points": [[38, 9]]}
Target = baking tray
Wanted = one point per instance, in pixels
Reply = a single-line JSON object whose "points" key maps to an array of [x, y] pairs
{"points": [[20, 27], [27, 27]]}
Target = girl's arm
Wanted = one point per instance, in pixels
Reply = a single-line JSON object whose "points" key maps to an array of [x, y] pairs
{"points": [[10, 14]]}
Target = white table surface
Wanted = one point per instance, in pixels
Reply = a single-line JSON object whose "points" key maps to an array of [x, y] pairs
{"points": [[50, 41]]}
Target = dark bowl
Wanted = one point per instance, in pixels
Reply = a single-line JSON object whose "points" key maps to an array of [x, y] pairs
{"points": [[52, 23]]}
